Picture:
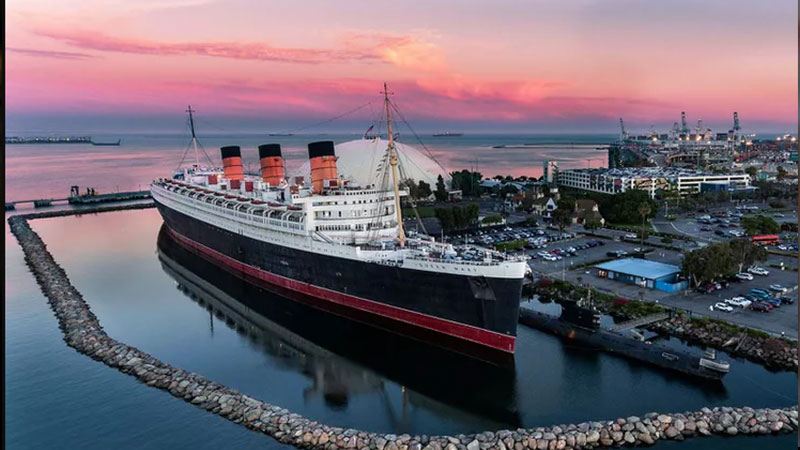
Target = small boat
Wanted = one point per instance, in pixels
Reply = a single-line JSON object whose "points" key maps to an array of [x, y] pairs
{"points": [[447, 134], [281, 134], [119, 141]]}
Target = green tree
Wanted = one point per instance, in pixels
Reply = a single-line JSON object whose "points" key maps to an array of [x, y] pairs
{"points": [[508, 189], [492, 219], [411, 186], [592, 225], [441, 190], [446, 220], [781, 173], [752, 171], [747, 254], [760, 225], [709, 263], [562, 216], [530, 221], [622, 208], [468, 182], [423, 190]]}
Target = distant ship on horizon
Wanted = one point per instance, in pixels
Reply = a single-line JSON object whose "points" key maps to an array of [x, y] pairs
{"points": [[447, 134]]}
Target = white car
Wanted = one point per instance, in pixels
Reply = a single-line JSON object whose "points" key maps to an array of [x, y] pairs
{"points": [[741, 302], [778, 288], [744, 276], [630, 236], [723, 307], [550, 258], [737, 233], [758, 271]]}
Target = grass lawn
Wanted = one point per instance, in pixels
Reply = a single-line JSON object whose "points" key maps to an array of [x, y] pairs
{"points": [[424, 211]]}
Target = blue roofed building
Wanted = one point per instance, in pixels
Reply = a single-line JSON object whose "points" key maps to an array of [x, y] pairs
{"points": [[644, 273]]}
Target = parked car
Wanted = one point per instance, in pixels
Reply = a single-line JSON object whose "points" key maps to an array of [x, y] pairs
{"points": [[741, 302], [758, 271], [744, 276], [778, 288], [705, 289], [759, 291], [761, 307], [723, 307], [630, 236], [719, 232], [786, 300], [774, 302]]}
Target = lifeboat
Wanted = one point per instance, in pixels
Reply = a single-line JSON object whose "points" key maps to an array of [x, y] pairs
{"points": [[230, 196], [257, 202]]}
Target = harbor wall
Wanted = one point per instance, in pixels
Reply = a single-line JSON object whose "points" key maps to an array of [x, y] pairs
{"points": [[82, 331]]}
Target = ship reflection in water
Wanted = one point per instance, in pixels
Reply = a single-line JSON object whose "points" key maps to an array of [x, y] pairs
{"points": [[343, 358]]}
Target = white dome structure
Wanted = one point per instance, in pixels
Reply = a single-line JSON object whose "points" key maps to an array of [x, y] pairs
{"points": [[362, 161]]}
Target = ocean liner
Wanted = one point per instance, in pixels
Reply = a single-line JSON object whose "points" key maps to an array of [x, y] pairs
{"points": [[341, 247]]}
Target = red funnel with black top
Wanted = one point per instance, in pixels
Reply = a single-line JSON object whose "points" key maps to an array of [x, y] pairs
{"points": [[232, 162]]}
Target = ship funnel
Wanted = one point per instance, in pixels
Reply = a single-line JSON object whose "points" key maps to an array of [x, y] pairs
{"points": [[271, 163], [232, 162], [323, 165]]}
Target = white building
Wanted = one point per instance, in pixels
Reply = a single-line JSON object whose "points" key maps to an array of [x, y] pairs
{"points": [[549, 171], [650, 179]]}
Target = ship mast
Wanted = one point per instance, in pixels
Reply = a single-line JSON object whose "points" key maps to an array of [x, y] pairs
{"points": [[194, 137], [401, 235]]}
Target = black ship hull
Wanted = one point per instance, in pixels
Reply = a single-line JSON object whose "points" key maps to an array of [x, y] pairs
{"points": [[447, 310], [347, 353]]}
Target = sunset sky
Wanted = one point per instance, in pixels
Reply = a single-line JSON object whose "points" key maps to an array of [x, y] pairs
{"points": [[528, 66]]}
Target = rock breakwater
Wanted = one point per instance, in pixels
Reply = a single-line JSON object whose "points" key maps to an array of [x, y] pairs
{"points": [[773, 353], [82, 331]]}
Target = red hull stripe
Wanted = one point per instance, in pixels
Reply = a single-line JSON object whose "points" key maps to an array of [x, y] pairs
{"points": [[462, 331]]}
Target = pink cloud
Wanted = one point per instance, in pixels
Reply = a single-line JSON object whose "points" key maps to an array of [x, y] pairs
{"points": [[49, 53], [400, 50]]}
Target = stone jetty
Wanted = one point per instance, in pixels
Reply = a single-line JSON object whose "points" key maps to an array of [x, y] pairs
{"points": [[773, 353], [83, 332]]}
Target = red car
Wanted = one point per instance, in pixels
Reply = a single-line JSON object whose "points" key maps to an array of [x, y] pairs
{"points": [[705, 229], [761, 306]]}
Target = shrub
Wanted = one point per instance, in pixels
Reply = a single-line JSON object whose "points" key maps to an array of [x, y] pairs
{"points": [[666, 240]]}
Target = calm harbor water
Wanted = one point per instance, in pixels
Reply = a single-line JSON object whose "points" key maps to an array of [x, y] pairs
{"points": [[317, 365], [48, 170]]}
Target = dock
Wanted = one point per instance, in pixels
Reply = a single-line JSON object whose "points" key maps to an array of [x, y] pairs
{"points": [[640, 322], [90, 199]]}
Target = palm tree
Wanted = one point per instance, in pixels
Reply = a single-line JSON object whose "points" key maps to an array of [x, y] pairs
{"points": [[644, 210]]}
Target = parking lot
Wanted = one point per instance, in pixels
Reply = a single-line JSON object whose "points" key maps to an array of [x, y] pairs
{"points": [[779, 320], [717, 229], [590, 255]]}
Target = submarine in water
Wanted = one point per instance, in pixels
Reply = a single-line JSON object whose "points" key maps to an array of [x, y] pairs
{"points": [[581, 325]]}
